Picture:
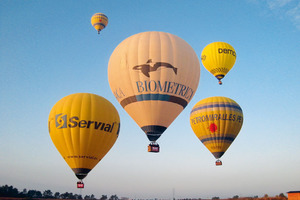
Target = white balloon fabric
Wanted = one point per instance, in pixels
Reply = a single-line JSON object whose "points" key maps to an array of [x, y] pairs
{"points": [[154, 75]]}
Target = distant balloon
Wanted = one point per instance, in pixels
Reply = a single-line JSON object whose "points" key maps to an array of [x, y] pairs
{"points": [[218, 58], [83, 128], [216, 121], [99, 21], [153, 75]]}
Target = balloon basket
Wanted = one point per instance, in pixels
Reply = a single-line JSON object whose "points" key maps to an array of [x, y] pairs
{"points": [[80, 184], [153, 147], [218, 163]]}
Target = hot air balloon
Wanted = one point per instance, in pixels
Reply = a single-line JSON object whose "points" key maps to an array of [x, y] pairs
{"points": [[216, 121], [83, 128], [99, 21], [218, 58], [153, 75]]}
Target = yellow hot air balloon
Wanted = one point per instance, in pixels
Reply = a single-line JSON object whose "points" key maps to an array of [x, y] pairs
{"points": [[153, 75], [218, 58], [216, 121], [99, 21], [83, 128]]}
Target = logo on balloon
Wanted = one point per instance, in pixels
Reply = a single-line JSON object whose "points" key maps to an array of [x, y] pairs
{"points": [[148, 67], [227, 51], [213, 127], [61, 121]]}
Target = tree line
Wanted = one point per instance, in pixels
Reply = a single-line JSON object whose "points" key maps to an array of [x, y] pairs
{"points": [[10, 191]]}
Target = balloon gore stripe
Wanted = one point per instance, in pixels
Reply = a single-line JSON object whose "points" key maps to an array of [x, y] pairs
{"points": [[155, 97], [217, 105], [229, 139], [99, 24], [100, 15]]}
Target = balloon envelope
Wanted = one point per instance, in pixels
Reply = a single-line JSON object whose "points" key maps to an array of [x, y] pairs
{"points": [[153, 75], [83, 128], [99, 21], [218, 58], [216, 121]]}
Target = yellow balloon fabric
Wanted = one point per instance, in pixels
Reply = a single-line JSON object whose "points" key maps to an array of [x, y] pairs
{"points": [[218, 58], [153, 75], [216, 121], [99, 21], [83, 128]]}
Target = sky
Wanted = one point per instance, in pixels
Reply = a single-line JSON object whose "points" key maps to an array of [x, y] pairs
{"points": [[49, 49]]}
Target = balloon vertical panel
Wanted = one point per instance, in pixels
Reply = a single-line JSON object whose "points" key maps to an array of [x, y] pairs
{"points": [[153, 75]]}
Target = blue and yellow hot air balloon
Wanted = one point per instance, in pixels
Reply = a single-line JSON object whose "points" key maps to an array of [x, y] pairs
{"points": [[83, 128], [218, 58], [216, 121], [99, 21], [153, 75]]}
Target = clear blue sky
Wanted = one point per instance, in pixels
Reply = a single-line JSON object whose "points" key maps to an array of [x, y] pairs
{"points": [[48, 50]]}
